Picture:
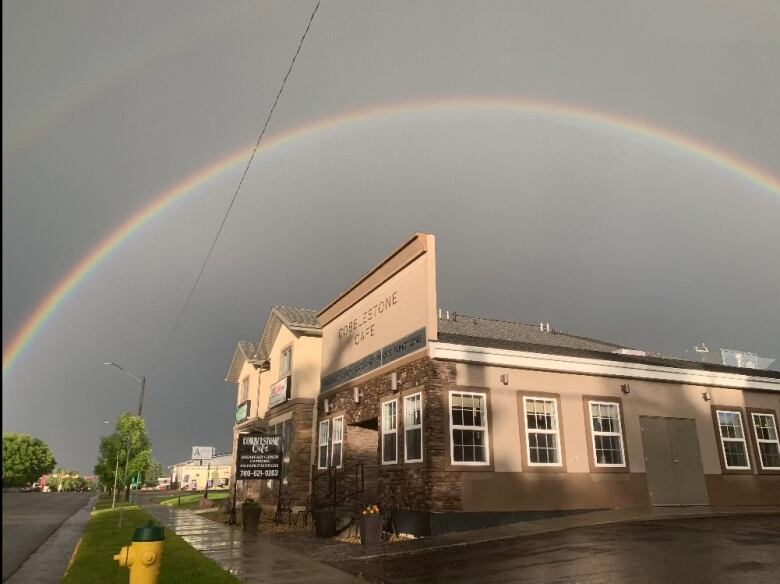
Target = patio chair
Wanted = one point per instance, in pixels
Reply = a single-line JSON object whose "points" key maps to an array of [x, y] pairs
{"points": [[284, 507], [306, 510]]}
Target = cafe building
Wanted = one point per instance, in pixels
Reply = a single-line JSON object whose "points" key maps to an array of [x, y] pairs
{"points": [[277, 380], [457, 421]]}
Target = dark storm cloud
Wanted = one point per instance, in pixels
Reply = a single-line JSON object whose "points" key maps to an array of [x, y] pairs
{"points": [[601, 233]]}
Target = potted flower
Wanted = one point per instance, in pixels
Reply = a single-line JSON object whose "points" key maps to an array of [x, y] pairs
{"points": [[371, 523], [250, 515]]}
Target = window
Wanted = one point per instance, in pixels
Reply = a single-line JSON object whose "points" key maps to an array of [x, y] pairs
{"points": [[413, 428], [338, 438], [541, 431], [765, 429], [244, 389], [468, 424], [607, 434], [285, 364], [732, 440], [322, 460], [390, 432]]}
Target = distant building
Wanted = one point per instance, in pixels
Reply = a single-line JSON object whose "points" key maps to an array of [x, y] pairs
{"points": [[193, 475]]}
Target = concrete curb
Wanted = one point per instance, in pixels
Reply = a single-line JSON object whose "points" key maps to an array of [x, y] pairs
{"points": [[511, 531], [45, 564]]}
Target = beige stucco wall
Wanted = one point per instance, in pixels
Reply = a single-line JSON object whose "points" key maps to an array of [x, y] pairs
{"points": [[646, 398], [200, 474], [306, 358]]}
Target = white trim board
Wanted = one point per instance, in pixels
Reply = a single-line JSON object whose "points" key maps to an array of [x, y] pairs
{"points": [[603, 367]]}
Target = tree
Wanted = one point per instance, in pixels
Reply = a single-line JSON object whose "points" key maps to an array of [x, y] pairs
{"points": [[25, 459], [130, 432]]}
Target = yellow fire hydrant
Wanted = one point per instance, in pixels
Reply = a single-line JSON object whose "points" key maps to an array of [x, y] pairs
{"points": [[144, 554]]}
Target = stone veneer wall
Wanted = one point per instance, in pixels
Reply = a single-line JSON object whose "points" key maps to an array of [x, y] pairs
{"points": [[299, 480], [422, 486]]}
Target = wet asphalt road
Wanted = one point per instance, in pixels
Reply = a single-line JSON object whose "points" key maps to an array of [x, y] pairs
{"points": [[30, 518], [696, 551]]}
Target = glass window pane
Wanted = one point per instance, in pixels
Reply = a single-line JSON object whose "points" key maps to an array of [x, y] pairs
{"points": [[770, 454], [735, 454], [413, 444]]}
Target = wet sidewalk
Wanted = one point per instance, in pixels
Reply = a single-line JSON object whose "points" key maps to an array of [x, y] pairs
{"points": [[253, 559], [540, 526]]}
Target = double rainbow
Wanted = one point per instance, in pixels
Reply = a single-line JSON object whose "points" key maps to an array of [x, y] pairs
{"points": [[551, 111]]}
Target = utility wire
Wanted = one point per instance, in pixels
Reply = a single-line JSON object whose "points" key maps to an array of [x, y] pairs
{"points": [[235, 194]]}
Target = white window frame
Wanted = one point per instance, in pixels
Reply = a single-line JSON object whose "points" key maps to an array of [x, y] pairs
{"points": [[340, 440], [244, 389], [724, 440], [556, 432], [282, 371], [394, 431], [753, 416], [410, 427], [485, 428], [594, 433], [323, 459]]}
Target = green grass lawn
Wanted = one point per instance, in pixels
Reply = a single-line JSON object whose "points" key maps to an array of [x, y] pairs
{"points": [[192, 501], [94, 563]]}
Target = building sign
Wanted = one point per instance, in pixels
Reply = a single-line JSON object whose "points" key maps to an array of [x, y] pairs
{"points": [[280, 392], [389, 313], [202, 452], [259, 456], [242, 411], [387, 354]]}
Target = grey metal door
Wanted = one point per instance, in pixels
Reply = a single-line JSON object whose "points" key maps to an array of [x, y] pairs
{"points": [[687, 462], [675, 475], [659, 462]]}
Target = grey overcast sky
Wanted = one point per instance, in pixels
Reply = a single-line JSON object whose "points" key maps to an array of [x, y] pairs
{"points": [[599, 231]]}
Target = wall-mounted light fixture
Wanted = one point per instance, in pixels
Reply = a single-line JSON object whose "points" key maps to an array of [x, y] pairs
{"points": [[706, 396], [326, 406], [504, 378], [357, 395], [625, 388], [394, 381]]}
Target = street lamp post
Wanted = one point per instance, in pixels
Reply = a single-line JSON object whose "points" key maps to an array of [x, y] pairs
{"points": [[141, 380]]}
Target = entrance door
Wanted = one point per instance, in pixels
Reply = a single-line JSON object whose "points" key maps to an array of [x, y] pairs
{"points": [[675, 475]]}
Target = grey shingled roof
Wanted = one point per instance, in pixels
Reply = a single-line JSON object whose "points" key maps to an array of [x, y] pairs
{"points": [[499, 334], [299, 317], [474, 326], [245, 350]]}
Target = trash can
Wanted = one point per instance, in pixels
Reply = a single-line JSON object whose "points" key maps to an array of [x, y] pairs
{"points": [[325, 522]]}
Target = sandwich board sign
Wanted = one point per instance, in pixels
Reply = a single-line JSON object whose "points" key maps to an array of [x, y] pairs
{"points": [[202, 452], [259, 456]]}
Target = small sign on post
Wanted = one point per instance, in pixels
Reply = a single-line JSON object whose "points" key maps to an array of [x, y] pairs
{"points": [[202, 452]]}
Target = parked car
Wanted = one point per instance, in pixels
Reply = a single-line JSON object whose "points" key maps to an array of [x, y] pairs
{"points": [[26, 489]]}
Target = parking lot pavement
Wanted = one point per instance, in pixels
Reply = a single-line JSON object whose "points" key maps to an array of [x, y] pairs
{"points": [[29, 519], [696, 551]]}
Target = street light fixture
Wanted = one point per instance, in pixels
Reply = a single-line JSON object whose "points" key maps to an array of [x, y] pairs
{"points": [[141, 380]]}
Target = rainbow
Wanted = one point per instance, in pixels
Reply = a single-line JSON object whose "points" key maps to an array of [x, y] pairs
{"points": [[551, 111]]}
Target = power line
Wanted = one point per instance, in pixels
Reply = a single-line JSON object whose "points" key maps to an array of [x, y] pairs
{"points": [[235, 194]]}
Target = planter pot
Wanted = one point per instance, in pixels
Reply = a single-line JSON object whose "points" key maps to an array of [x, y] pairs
{"points": [[250, 517], [325, 523], [371, 529]]}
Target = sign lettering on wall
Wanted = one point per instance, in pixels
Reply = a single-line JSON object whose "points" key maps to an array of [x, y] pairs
{"points": [[259, 456], [387, 354]]}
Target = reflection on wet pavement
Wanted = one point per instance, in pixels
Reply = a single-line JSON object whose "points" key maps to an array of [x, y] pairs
{"points": [[251, 558], [680, 551]]}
